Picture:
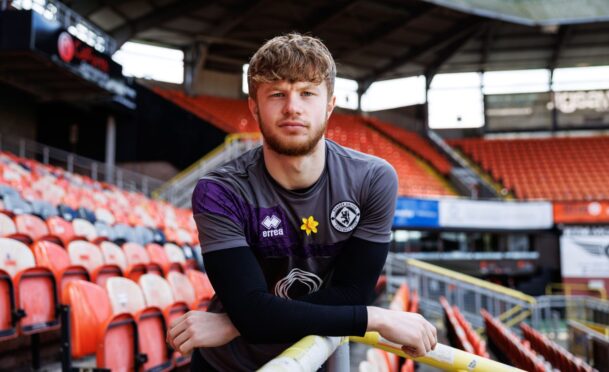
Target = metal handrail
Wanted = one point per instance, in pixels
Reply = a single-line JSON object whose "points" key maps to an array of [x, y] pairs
{"points": [[121, 177]]}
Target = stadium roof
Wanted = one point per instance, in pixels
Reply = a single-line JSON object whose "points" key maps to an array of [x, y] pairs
{"points": [[372, 40]]}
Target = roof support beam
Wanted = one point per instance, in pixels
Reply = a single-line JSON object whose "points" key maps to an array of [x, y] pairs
{"points": [[384, 31], [487, 44], [152, 19], [436, 42], [562, 38], [448, 51]]}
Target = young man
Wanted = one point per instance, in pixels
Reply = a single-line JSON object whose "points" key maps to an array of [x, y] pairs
{"points": [[295, 233]]}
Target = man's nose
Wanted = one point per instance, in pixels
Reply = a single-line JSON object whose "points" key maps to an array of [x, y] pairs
{"points": [[292, 105]]}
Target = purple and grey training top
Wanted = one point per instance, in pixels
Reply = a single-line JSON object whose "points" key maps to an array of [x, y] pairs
{"points": [[295, 235]]}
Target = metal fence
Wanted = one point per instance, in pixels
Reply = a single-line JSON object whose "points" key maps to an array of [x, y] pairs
{"points": [[123, 178]]}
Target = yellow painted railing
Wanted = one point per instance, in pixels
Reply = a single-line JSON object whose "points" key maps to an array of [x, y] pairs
{"points": [[227, 142], [471, 280], [311, 352], [444, 357]]}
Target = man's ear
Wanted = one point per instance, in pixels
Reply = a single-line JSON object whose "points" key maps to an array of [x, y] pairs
{"points": [[330, 107], [253, 106]]}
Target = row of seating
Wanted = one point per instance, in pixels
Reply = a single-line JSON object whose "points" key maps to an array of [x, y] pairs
{"points": [[518, 353], [382, 361], [559, 357], [30, 187], [124, 323], [34, 279], [460, 332], [233, 116], [560, 169], [413, 142]]}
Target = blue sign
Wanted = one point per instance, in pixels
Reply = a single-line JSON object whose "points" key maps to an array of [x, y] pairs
{"points": [[416, 213]]}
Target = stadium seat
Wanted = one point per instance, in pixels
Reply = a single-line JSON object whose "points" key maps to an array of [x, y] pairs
{"points": [[105, 216], [95, 330], [15, 204], [43, 209], [138, 256], [67, 212], [7, 225], [35, 289], [89, 256], [62, 229], [8, 307], [159, 293], [202, 286], [56, 259], [182, 289], [157, 255], [31, 226], [104, 230], [84, 228], [127, 297]]}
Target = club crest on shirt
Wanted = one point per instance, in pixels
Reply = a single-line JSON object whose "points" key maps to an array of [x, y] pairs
{"points": [[345, 216]]}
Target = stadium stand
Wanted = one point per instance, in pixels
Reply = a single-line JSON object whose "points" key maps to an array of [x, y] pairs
{"points": [[55, 252], [233, 116], [559, 169]]}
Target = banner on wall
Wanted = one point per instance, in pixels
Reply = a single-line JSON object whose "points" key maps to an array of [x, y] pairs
{"points": [[584, 253], [581, 212], [413, 213], [496, 215], [472, 214]]}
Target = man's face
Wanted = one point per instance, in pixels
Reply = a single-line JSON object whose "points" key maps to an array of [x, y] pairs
{"points": [[292, 116]]}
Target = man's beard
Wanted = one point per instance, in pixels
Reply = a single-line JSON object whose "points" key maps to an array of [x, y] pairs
{"points": [[276, 144]]}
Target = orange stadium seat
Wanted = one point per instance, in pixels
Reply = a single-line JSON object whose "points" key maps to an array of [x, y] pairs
{"points": [[61, 228], [158, 255], [559, 169], [202, 286], [56, 259], [95, 330], [127, 297], [35, 289]]}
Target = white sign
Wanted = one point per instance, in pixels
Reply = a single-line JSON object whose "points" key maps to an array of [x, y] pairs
{"points": [[584, 255], [495, 215], [569, 102]]}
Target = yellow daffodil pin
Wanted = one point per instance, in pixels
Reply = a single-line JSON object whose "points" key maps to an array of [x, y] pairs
{"points": [[309, 225]]}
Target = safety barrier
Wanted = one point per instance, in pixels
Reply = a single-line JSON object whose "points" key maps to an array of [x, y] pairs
{"points": [[178, 190], [311, 352]]}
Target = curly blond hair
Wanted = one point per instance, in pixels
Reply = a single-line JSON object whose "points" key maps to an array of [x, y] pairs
{"points": [[292, 57]]}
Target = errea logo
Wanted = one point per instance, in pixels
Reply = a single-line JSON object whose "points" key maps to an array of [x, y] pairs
{"points": [[271, 224]]}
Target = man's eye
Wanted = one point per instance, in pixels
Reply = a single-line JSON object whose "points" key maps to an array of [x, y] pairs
{"points": [[277, 94], [308, 93]]}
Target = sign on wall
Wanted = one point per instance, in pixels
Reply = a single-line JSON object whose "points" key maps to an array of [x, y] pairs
{"points": [[584, 253]]}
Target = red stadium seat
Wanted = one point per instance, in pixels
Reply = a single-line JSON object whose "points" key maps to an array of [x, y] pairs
{"points": [[56, 259], [62, 229], [35, 288], [202, 286], [157, 255]]}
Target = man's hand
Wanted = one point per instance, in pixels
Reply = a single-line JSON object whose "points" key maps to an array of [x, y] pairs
{"points": [[200, 329], [411, 330]]}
